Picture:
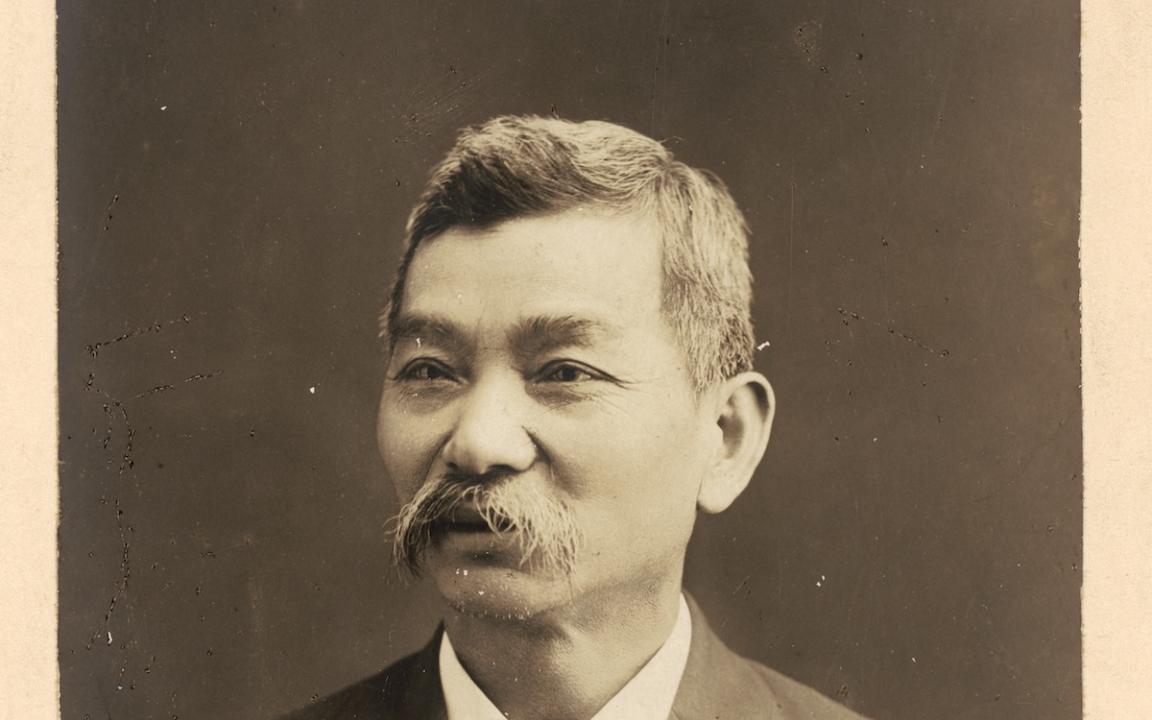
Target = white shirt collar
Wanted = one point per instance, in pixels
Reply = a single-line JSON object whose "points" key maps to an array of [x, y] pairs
{"points": [[647, 696]]}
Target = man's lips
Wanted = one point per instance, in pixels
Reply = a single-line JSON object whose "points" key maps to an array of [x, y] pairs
{"points": [[464, 526], [465, 519]]}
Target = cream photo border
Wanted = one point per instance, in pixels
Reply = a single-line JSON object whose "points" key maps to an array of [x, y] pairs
{"points": [[1116, 267]]}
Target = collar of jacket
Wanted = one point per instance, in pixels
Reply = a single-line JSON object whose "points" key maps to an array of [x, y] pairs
{"points": [[717, 683]]}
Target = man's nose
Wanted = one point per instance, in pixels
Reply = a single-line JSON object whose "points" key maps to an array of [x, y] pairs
{"points": [[489, 435]]}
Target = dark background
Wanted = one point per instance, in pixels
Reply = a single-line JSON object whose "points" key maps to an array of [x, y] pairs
{"points": [[234, 179]]}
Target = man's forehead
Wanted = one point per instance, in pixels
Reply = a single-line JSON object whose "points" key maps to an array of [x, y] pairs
{"points": [[576, 247], [566, 272]]}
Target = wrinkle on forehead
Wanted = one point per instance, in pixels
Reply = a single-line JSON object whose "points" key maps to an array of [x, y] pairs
{"points": [[528, 337], [537, 283]]}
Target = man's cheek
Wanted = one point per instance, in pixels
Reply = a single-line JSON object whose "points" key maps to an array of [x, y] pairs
{"points": [[406, 461], [401, 432]]}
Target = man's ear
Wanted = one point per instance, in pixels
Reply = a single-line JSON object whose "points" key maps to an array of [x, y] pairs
{"points": [[745, 406]]}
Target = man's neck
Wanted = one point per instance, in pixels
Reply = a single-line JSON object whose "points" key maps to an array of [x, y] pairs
{"points": [[568, 665]]}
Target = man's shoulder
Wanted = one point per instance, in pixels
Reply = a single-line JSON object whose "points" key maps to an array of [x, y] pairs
{"points": [[408, 688], [718, 683], [796, 700]]}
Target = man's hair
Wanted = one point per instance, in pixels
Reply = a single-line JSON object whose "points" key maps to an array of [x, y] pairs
{"points": [[521, 166]]}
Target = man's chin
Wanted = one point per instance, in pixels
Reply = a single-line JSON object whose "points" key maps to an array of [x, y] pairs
{"points": [[500, 591]]}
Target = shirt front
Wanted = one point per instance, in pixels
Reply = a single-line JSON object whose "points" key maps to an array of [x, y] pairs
{"points": [[647, 696]]}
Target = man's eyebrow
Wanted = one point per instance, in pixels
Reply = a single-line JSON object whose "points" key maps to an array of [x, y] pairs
{"points": [[427, 328], [543, 333]]}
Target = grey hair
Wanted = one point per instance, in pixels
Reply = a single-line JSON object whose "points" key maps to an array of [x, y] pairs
{"points": [[518, 166], [545, 527]]}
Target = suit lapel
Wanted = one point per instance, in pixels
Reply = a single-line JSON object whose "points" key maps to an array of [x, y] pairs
{"points": [[718, 684], [422, 697]]}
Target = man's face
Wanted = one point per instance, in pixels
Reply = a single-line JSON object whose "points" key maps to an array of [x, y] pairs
{"points": [[536, 352]]}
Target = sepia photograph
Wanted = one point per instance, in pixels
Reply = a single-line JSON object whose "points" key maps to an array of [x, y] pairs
{"points": [[569, 360]]}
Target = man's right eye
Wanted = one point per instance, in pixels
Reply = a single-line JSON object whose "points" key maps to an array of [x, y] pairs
{"points": [[425, 370]]}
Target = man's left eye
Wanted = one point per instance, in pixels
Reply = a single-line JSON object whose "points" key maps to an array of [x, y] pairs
{"points": [[566, 372]]}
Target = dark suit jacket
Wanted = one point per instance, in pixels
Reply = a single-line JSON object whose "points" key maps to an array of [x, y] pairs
{"points": [[717, 685]]}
